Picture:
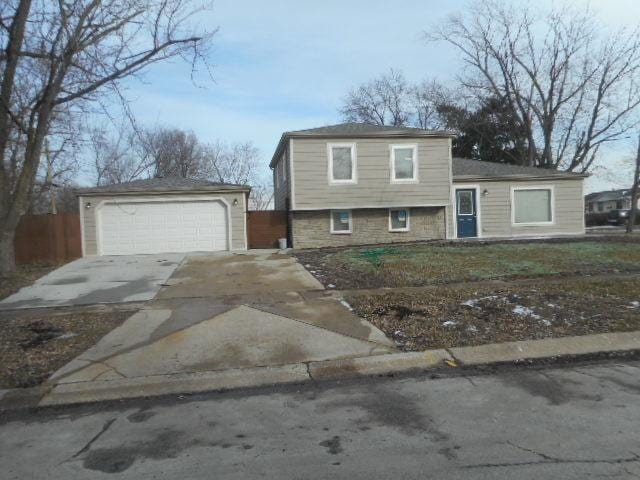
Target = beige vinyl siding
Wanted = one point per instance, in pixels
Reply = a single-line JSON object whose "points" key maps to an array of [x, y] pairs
{"points": [[281, 192], [88, 215], [374, 188], [495, 208]]}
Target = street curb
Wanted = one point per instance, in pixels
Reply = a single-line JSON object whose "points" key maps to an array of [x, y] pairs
{"points": [[573, 348]]}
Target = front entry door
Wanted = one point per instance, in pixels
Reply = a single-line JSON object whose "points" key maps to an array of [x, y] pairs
{"points": [[466, 212]]}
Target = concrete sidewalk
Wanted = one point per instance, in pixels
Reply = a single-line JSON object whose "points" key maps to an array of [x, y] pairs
{"points": [[396, 363]]}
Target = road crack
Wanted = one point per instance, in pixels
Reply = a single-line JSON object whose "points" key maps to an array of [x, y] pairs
{"points": [[548, 459], [84, 449]]}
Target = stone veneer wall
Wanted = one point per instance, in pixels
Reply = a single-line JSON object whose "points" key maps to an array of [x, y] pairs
{"points": [[311, 228]]}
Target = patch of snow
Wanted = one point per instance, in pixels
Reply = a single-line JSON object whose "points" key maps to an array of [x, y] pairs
{"points": [[399, 333], [344, 302], [331, 285], [66, 336], [449, 323], [552, 305], [525, 312], [470, 303], [308, 266], [472, 328], [635, 304]]}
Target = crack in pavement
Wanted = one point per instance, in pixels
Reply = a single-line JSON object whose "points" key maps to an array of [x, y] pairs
{"points": [[548, 459], [84, 449]]}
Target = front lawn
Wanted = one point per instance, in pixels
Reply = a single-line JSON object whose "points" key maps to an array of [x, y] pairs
{"points": [[33, 345], [437, 263], [443, 317]]}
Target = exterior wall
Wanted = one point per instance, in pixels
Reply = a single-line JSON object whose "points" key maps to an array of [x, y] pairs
{"points": [[311, 188], [281, 190], [608, 205], [88, 215], [495, 208], [311, 229]]}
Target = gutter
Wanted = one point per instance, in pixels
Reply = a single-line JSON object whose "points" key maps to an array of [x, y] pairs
{"points": [[112, 193]]}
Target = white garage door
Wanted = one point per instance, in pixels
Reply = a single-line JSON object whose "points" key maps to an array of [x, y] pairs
{"points": [[162, 227]]}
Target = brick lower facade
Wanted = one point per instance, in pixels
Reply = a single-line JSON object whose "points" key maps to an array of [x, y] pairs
{"points": [[310, 229]]}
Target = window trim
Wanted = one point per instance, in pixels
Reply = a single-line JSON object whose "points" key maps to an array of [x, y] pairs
{"points": [[552, 199], [354, 160], [405, 229], [392, 162], [340, 232], [473, 203]]}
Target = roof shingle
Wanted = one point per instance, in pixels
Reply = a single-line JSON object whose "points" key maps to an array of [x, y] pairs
{"points": [[466, 168]]}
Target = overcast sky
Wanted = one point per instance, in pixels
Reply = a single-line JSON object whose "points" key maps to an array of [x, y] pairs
{"points": [[286, 64]]}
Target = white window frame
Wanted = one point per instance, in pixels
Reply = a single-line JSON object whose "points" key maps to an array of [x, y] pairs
{"points": [[340, 232], [405, 229], [392, 163], [536, 187], [354, 160]]}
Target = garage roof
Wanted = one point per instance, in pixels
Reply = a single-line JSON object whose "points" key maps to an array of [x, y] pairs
{"points": [[466, 169], [168, 184]]}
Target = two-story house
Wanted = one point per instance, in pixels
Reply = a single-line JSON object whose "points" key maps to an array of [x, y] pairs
{"points": [[356, 183]]}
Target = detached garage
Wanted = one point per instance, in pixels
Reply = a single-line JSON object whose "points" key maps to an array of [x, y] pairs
{"points": [[162, 215]]}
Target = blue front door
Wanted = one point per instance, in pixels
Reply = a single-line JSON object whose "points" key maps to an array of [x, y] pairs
{"points": [[466, 212]]}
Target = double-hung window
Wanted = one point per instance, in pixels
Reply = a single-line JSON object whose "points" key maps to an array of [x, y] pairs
{"points": [[342, 163], [404, 163], [341, 221], [399, 220], [532, 205]]}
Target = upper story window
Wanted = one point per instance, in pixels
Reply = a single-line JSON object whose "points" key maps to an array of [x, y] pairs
{"points": [[342, 163], [404, 163]]}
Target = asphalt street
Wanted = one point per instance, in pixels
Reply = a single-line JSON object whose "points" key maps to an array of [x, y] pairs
{"points": [[572, 422]]}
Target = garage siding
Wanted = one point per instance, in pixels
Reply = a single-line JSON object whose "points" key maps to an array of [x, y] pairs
{"points": [[88, 215]]}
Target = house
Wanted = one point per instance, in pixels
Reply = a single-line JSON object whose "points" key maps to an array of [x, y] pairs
{"points": [[166, 214], [355, 183], [603, 202]]}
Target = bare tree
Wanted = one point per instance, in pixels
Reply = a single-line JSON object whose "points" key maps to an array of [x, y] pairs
{"points": [[382, 101], [571, 83], [117, 155], [172, 151], [54, 57], [635, 192]]}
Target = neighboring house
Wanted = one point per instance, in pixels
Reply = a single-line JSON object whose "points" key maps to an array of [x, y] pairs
{"points": [[603, 202], [362, 184], [157, 215]]}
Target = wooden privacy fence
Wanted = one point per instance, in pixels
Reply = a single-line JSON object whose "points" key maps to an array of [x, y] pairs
{"points": [[265, 227], [48, 238]]}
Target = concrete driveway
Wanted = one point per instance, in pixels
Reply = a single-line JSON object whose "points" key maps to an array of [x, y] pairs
{"points": [[92, 280], [228, 311]]}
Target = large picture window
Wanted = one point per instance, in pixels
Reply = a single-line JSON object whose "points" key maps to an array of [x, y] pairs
{"points": [[404, 163], [532, 205], [342, 163]]}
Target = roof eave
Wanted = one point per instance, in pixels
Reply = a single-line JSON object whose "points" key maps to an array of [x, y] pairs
{"points": [[152, 191], [495, 178]]}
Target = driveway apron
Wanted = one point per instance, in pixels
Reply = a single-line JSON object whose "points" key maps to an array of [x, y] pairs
{"points": [[229, 310]]}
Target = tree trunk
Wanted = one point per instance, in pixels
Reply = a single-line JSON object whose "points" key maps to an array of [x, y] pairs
{"points": [[633, 213], [7, 252]]}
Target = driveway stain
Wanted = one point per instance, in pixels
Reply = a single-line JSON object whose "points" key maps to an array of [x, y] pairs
{"points": [[168, 444], [555, 391], [333, 445], [141, 416], [68, 280]]}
